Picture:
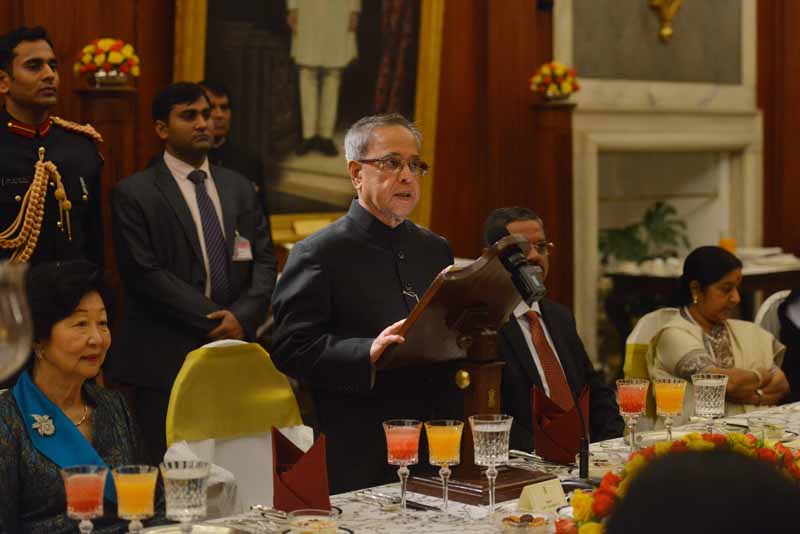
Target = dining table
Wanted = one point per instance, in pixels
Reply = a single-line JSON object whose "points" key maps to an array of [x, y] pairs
{"points": [[365, 516]]}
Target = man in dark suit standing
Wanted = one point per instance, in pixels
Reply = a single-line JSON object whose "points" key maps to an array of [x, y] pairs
{"points": [[194, 255], [541, 347], [342, 300]]}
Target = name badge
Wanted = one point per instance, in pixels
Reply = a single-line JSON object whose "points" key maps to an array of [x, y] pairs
{"points": [[241, 249]]}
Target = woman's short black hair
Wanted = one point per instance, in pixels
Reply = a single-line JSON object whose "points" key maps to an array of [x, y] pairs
{"points": [[705, 265], [55, 289], [701, 492]]}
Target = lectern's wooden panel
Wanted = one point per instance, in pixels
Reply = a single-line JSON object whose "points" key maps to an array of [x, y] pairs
{"points": [[457, 308]]}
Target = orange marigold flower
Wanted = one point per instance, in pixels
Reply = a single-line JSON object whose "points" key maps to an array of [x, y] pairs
{"points": [[649, 453], [610, 481], [603, 502], [766, 454], [678, 446]]}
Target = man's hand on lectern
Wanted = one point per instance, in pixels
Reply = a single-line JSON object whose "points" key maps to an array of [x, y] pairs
{"points": [[386, 338]]}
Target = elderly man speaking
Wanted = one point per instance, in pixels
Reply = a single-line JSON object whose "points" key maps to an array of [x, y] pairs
{"points": [[344, 295]]}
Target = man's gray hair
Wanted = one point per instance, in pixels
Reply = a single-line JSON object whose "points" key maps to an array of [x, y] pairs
{"points": [[356, 142]]}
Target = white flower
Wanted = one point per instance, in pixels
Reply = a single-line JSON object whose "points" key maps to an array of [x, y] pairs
{"points": [[44, 425]]}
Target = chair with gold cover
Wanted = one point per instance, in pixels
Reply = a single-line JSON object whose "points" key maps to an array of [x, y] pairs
{"points": [[225, 400]]}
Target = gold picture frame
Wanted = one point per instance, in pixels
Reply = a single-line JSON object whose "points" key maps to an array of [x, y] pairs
{"points": [[189, 64]]}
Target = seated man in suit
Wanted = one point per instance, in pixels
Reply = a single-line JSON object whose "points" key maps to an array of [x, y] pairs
{"points": [[194, 255], [541, 348]]}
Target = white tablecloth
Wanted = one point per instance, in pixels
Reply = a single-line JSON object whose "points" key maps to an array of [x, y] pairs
{"points": [[366, 518]]}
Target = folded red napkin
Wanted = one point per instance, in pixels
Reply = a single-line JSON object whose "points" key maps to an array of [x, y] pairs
{"points": [[300, 479], [556, 433]]}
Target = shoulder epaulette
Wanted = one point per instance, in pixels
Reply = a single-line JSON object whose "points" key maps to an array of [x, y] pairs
{"points": [[85, 129]]}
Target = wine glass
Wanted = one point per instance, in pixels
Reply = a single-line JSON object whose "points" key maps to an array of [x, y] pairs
{"points": [[669, 400], [15, 319], [402, 448], [136, 489], [490, 434], [185, 484], [84, 485], [632, 398], [444, 448], [709, 397]]}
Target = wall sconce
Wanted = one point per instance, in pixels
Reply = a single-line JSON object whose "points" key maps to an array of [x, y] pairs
{"points": [[666, 10]]}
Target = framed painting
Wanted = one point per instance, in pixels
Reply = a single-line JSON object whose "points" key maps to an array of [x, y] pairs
{"points": [[255, 50]]}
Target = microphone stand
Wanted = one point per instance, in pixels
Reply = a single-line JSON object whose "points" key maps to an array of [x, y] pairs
{"points": [[583, 442]]}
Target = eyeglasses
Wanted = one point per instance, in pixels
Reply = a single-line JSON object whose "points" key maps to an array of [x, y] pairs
{"points": [[543, 248], [393, 164]]}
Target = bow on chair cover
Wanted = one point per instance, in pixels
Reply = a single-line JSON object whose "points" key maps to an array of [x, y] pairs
{"points": [[229, 391]]}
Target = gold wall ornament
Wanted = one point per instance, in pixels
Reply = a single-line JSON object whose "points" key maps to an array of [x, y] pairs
{"points": [[666, 10]]}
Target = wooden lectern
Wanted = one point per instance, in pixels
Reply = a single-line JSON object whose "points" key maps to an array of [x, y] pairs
{"points": [[457, 319]]}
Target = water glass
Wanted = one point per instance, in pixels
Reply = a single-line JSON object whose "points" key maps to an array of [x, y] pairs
{"points": [[632, 400], [402, 448], [490, 434], [669, 400], [709, 397], [444, 449], [185, 484], [136, 489], [84, 485]]}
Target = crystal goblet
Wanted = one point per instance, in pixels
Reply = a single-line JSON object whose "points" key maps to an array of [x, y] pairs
{"points": [[444, 449], [185, 484], [84, 485], [402, 448], [709, 397], [490, 434], [632, 399], [669, 400], [136, 489]]}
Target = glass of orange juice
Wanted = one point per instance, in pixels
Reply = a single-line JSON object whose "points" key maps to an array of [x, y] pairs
{"points": [[727, 241], [669, 400], [444, 448], [136, 488]]}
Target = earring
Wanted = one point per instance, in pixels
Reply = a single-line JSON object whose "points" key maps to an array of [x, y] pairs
{"points": [[39, 353], [694, 299]]}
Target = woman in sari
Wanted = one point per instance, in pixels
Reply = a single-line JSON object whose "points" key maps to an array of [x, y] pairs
{"points": [[76, 421], [703, 339]]}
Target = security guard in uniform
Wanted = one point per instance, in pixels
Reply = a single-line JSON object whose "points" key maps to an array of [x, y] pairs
{"points": [[50, 169]]}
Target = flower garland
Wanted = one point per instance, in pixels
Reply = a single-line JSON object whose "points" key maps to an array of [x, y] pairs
{"points": [[591, 508]]}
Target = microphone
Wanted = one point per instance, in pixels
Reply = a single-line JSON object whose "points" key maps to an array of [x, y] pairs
{"points": [[527, 278]]}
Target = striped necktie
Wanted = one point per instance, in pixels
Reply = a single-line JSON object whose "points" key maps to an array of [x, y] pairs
{"points": [[215, 241], [553, 373]]}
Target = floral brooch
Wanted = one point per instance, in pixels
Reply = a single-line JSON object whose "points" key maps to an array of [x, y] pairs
{"points": [[44, 425]]}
